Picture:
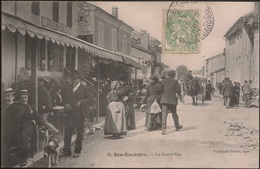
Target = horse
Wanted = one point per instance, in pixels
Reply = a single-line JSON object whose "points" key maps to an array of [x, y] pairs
{"points": [[194, 88]]}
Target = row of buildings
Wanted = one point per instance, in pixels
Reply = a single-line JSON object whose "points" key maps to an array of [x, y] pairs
{"points": [[51, 36], [44, 38], [240, 58]]}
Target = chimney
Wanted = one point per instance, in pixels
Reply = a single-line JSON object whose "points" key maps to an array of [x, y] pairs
{"points": [[115, 11]]}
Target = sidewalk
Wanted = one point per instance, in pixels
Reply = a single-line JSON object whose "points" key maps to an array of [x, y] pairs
{"points": [[32, 161]]}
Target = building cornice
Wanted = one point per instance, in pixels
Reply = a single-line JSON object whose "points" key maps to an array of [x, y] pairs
{"points": [[238, 25]]}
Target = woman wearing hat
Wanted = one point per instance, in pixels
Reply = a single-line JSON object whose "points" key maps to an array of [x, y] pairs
{"points": [[154, 91], [127, 93]]}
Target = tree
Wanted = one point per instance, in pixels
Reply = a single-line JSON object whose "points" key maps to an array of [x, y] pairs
{"points": [[181, 72]]}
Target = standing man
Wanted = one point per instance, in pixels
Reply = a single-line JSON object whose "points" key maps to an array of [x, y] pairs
{"points": [[169, 100], [76, 97], [8, 109], [227, 92], [247, 91], [23, 125], [44, 100]]}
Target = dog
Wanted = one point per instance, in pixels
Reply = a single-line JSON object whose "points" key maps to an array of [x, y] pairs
{"points": [[52, 150]]}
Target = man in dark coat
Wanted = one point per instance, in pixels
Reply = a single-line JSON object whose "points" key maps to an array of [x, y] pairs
{"points": [[8, 108], [44, 99], [169, 100], [227, 92], [23, 125], [76, 97]]}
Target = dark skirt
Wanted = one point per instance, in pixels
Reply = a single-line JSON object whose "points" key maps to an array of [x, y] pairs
{"points": [[130, 115]]}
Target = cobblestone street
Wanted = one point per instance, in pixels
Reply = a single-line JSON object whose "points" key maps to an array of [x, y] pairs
{"points": [[212, 136]]}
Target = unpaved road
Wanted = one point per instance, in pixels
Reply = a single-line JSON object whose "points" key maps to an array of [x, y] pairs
{"points": [[213, 136]]}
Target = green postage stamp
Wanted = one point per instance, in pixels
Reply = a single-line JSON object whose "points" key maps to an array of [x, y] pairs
{"points": [[181, 31], [184, 26]]}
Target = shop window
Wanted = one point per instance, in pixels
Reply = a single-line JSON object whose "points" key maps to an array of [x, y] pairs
{"points": [[35, 7], [69, 14], [55, 57], [51, 55], [55, 11]]}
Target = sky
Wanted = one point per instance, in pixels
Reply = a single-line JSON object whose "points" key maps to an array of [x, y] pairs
{"points": [[148, 16]]}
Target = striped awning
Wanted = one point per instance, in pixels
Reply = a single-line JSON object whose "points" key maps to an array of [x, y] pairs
{"points": [[15, 24]]}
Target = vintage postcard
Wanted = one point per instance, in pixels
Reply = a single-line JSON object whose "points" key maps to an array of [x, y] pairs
{"points": [[121, 84]]}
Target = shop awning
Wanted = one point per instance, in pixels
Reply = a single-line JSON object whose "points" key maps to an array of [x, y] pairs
{"points": [[132, 63], [15, 24]]}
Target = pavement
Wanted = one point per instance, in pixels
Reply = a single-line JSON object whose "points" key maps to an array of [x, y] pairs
{"points": [[37, 157]]}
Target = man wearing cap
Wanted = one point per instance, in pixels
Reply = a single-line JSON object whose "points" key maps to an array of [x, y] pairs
{"points": [[74, 101], [169, 100], [8, 109], [23, 124]]}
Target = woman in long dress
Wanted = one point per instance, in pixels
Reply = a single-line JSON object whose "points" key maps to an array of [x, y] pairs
{"points": [[115, 121], [154, 91], [127, 93]]}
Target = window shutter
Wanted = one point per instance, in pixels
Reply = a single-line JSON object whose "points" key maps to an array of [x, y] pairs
{"points": [[69, 14], [55, 11], [35, 7]]}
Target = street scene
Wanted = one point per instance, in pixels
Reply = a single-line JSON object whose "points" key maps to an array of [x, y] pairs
{"points": [[130, 85]]}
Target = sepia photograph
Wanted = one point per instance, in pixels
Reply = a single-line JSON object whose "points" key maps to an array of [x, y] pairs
{"points": [[130, 84]]}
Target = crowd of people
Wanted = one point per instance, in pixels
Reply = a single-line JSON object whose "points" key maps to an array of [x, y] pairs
{"points": [[165, 93], [231, 93], [20, 117]]}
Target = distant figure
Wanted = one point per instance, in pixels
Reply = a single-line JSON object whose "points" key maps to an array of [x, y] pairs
{"points": [[189, 75], [220, 87], [247, 91], [208, 90], [236, 94]]}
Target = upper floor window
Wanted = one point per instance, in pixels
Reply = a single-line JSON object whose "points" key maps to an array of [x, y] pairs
{"points": [[114, 40], [124, 44], [101, 34], [55, 11], [69, 14], [35, 7]]}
